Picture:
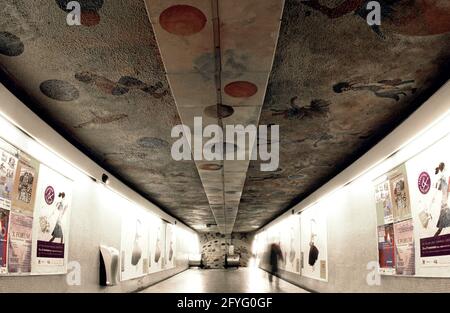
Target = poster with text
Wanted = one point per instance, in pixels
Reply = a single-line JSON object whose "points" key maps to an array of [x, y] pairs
{"points": [[8, 165], [383, 201], [404, 248], [25, 182], [134, 243], [170, 246], [428, 174], [314, 242], [4, 229], [292, 256], [51, 222], [19, 249], [386, 251], [400, 193]]}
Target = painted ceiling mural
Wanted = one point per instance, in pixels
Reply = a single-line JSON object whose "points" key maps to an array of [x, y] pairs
{"points": [[336, 85]]}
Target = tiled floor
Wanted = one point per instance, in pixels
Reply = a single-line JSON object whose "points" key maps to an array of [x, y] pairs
{"points": [[240, 280]]}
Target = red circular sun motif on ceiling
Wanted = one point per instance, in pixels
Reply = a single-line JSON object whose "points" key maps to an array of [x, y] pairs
{"points": [[241, 89], [90, 18], [422, 18], [182, 20]]}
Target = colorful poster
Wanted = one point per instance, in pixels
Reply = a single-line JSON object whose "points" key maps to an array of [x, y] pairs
{"points": [[429, 182], [4, 229], [51, 222], [134, 246], [404, 248], [314, 243], [25, 182], [19, 252], [400, 193], [8, 165], [386, 251], [383, 201], [170, 246]]}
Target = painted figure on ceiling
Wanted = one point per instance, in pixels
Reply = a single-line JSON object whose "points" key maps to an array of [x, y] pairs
{"points": [[317, 108], [391, 89]]}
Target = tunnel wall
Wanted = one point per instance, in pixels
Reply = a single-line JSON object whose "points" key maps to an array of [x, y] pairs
{"points": [[351, 213], [214, 246], [96, 210]]}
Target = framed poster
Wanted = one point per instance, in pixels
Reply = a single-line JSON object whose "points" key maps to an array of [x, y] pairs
{"points": [[51, 222], [158, 246], [4, 230], [314, 243], [170, 246], [134, 245], [383, 201], [405, 263], [25, 183], [19, 249], [292, 245], [429, 182], [8, 166], [386, 251]]}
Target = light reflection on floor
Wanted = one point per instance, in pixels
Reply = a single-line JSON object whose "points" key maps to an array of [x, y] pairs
{"points": [[242, 280]]}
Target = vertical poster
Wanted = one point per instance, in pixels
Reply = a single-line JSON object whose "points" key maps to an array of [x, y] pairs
{"points": [[429, 182], [386, 251], [170, 245], [292, 231], [383, 201], [404, 248], [25, 182], [400, 193], [51, 222], [4, 229], [19, 252], [159, 246], [8, 165], [314, 243], [134, 245]]}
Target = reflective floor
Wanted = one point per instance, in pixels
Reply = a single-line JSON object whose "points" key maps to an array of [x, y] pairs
{"points": [[242, 280]]}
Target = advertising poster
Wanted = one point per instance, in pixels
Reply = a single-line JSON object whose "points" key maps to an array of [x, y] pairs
{"points": [[292, 245], [383, 201], [428, 174], [4, 225], [314, 243], [134, 246], [170, 246], [404, 248], [25, 182], [19, 252], [386, 251], [158, 246], [51, 222], [400, 193], [8, 165]]}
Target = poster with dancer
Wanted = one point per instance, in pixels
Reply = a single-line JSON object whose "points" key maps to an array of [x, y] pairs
{"points": [[292, 234], [4, 229], [25, 182], [19, 249], [428, 174], [51, 222], [404, 248], [170, 246], [383, 201], [134, 243], [8, 165], [158, 245], [314, 242]]}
